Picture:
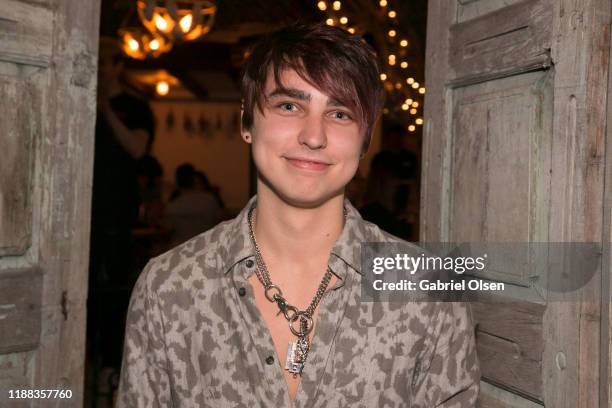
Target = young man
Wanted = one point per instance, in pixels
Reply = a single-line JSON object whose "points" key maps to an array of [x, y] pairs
{"points": [[265, 310]]}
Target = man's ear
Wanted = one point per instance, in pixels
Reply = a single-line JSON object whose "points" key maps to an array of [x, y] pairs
{"points": [[245, 133]]}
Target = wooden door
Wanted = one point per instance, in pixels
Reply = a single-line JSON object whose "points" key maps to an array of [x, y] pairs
{"points": [[514, 148], [48, 64]]}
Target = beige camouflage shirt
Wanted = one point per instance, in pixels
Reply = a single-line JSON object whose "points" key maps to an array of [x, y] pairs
{"points": [[195, 337]]}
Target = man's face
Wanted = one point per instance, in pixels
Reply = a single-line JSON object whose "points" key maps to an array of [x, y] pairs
{"points": [[306, 145]]}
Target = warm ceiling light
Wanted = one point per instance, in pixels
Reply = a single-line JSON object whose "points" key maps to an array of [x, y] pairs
{"points": [[162, 88], [410, 81], [422, 91], [383, 77], [415, 85], [419, 121], [343, 20], [404, 43], [408, 101], [138, 43], [415, 104], [411, 128], [392, 33], [404, 64], [392, 14], [391, 56], [405, 107], [391, 62], [329, 21], [322, 5], [337, 5], [161, 23], [185, 22], [383, 3], [413, 111]]}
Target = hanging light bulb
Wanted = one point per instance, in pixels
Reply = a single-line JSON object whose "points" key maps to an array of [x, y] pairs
{"points": [[405, 107], [351, 30], [343, 20], [329, 21], [410, 81], [322, 5], [404, 43], [419, 121], [383, 77], [411, 128], [392, 14], [404, 64], [398, 85], [422, 91], [415, 85], [383, 3], [336, 5], [413, 111], [162, 88], [415, 104], [408, 101], [392, 33]]}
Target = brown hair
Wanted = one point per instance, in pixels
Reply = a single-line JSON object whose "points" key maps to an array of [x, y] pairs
{"points": [[337, 63]]}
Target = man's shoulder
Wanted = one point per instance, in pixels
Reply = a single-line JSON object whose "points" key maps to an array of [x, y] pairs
{"points": [[373, 233], [190, 262]]}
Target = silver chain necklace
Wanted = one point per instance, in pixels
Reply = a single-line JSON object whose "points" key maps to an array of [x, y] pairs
{"points": [[297, 351]]}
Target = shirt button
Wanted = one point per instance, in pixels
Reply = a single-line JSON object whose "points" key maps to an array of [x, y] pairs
{"points": [[249, 263], [270, 360], [242, 291]]}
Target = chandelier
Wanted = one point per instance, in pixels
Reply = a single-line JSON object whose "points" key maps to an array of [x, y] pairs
{"points": [[177, 20], [138, 43]]}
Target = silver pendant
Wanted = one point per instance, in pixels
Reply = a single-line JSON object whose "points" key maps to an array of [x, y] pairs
{"points": [[292, 364]]}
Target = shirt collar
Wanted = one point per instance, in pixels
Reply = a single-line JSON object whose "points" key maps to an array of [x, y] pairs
{"points": [[236, 244]]}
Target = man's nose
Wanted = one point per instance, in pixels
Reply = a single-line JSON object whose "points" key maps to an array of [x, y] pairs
{"points": [[313, 133]]}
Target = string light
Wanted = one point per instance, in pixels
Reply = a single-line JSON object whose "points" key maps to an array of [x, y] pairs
{"points": [[411, 128], [419, 121], [393, 78]]}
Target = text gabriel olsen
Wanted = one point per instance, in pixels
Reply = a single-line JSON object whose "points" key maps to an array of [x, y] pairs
{"points": [[426, 285]]}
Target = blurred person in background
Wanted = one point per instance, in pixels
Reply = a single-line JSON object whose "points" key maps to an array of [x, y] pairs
{"points": [[192, 210]]}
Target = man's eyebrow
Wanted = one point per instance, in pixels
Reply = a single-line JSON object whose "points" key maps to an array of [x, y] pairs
{"points": [[301, 95]]}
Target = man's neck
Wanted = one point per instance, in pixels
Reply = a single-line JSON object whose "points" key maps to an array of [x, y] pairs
{"points": [[297, 235]]}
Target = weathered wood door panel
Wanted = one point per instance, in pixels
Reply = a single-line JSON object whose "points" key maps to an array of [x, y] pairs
{"points": [[48, 60], [514, 115]]}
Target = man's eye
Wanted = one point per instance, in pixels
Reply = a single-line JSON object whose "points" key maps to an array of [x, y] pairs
{"points": [[342, 115], [287, 106]]}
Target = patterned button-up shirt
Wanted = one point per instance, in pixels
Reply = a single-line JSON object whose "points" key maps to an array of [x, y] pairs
{"points": [[196, 338]]}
